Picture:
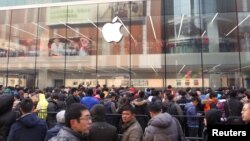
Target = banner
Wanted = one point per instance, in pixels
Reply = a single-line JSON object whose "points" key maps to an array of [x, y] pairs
{"points": [[79, 14]]}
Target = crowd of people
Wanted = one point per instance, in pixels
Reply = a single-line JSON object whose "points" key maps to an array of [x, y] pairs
{"points": [[112, 114]]}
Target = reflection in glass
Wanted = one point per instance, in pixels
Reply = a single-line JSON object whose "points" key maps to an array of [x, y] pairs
{"points": [[183, 43]]}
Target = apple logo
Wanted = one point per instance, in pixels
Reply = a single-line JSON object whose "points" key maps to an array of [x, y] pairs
{"points": [[111, 31]]}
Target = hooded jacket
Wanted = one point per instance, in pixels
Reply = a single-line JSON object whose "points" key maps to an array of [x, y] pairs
{"points": [[28, 128], [42, 106], [101, 130], [7, 116], [162, 127]]}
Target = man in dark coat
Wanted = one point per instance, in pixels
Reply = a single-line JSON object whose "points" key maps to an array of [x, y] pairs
{"points": [[132, 130], [73, 97], [28, 127], [7, 116], [101, 130], [212, 117], [233, 105], [52, 109]]}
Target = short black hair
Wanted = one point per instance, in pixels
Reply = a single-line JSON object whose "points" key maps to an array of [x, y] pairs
{"points": [[90, 92], [141, 94], [54, 96], [232, 93], [27, 105], [113, 94], [73, 90], [169, 87], [242, 90], [194, 98], [170, 96], [102, 95], [182, 93], [212, 94], [188, 89], [155, 106], [129, 108], [73, 112]]}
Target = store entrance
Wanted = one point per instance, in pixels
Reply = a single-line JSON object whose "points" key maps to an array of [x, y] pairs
{"points": [[58, 83], [22, 80]]}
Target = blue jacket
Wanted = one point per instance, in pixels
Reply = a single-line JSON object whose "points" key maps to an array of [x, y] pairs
{"points": [[191, 111], [28, 128], [89, 101]]}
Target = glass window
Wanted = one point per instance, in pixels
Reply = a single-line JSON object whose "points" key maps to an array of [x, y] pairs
{"points": [[4, 45], [22, 48], [113, 60], [220, 44], [81, 47], [52, 35], [147, 57], [183, 44], [244, 40]]}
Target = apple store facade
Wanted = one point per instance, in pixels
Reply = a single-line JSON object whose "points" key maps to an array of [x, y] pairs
{"points": [[144, 43]]}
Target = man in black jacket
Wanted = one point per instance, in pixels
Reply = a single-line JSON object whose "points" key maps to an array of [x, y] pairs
{"points": [[7, 116], [101, 130]]}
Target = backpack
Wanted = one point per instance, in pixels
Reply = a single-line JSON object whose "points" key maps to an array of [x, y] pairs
{"points": [[107, 107], [233, 120]]}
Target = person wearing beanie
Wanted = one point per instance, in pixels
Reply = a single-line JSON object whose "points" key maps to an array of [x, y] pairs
{"points": [[60, 123], [101, 130]]}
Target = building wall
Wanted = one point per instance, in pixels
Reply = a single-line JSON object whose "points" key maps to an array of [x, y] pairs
{"points": [[184, 43]]}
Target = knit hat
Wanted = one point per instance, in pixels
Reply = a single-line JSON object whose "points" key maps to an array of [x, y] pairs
{"points": [[60, 117], [98, 113]]}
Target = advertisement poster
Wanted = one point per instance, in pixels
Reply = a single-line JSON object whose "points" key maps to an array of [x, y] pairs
{"points": [[80, 46], [77, 14]]}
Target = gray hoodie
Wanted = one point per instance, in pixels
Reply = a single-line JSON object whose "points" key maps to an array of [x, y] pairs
{"points": [[162, 127]]}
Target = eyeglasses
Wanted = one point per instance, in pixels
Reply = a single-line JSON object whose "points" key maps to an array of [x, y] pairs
{"points": [[86, 118]]}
